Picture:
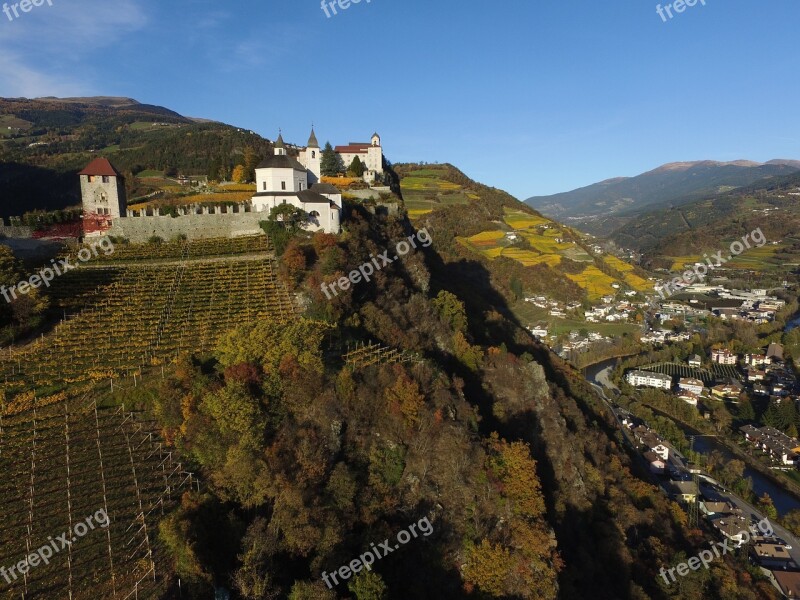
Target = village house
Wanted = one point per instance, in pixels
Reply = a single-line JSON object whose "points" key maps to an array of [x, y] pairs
{"points": [[778, 445], [710, 508], [756, 360], [689, 397], [682, 491], [726, 390], [788, 582], [755, 375], [775, 351], [723, 356], [771, 555], [657, 465], [691, 385], [649, 379], [731, 526]]}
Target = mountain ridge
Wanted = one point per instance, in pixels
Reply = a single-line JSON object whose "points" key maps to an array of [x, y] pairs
{"points": [[603, 207]]}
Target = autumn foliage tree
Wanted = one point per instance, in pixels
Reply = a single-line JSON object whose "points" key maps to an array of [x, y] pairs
{"points": [[239, 174]]}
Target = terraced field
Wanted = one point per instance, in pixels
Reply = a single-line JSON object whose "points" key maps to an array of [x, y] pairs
{"points": [[549, 244], [140, 316], [596, 283], [68, 463], [632, 279], [425, 190], [64, 458]]}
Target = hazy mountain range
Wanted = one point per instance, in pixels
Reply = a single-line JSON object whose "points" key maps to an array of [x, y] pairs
{"points": [[604, 207]]}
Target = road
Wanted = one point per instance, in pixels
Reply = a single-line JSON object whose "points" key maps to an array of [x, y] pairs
{"points": [[715, 492]]}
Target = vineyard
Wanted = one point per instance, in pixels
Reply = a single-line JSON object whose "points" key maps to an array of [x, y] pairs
{"points": [[177, 248], [708, 377], [65, 459], [66, 463], [139, 317]]}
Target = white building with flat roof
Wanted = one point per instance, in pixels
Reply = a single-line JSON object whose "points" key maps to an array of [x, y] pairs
{"points": [[649, 379]]}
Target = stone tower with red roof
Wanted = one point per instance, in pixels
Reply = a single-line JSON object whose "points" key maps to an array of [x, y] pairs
{"points": [[102, 194]]}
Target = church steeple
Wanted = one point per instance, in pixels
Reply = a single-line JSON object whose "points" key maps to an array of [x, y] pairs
{"points": [[280, 147], [312, 140]]}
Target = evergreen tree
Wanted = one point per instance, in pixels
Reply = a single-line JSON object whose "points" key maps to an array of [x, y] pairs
{"points": [[356, 168], [788, 415], [772, 416], [745, 409], [331, 163]]}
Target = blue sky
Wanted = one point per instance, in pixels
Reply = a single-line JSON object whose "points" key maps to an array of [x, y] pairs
{"points": [[534, 97]]}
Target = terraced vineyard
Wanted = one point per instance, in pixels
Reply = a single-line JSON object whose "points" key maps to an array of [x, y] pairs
{"points": [[65, 460], [708, 377], [70, 462], [195, 248], [141, 316]]}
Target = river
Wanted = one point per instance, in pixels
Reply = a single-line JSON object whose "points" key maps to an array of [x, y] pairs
{"points": [[793, 324], [784, 502]]}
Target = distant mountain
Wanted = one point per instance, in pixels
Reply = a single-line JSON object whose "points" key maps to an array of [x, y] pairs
{"points": [[773, 204], [44, 142], [605, 206]]}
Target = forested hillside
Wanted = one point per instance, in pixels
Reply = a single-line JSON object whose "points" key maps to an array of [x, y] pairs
{"points": [[772, 205], [43, 143], [412, 395]]}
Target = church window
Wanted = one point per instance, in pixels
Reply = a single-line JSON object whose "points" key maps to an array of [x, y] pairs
{"points": [[265, 186], [313, 154], [313, 214], [283, 185]]}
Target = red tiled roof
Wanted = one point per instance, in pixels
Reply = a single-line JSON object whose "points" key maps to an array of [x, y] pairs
{"points": [[352, 148], [100, 166]]}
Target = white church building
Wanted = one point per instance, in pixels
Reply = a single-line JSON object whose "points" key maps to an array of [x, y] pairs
{"points": [[281, 179]]}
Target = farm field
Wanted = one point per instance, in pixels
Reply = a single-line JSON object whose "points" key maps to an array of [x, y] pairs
{"points": [[632, 279], [596, 283], [133, 317], [424, 191], [72, 461], [707, 376], [65, 458], [549, 244], [758, 259]]}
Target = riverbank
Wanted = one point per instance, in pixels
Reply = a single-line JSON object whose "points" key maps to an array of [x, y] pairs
{"points": [[787, 486], [784, 492]]}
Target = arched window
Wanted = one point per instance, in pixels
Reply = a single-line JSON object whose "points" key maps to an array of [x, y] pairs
{"points": [[313, 214], [313, 154]]}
